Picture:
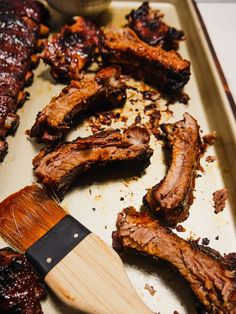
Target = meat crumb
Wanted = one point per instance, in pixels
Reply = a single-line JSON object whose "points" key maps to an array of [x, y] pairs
{"points": [[104, 118], [149, 108], [98, 197], [137, 119], [209, 138], [183, 98], [150, 289], [122, 199], [219, 199], [153, 124], [175, 312], [217, 237], [180, 228], [205, 241], [117, 115], [150, 95], [194, 241], [210, 159], [169, 112]]}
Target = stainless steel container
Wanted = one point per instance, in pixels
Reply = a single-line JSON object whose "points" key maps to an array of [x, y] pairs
{"points": [[80, 7]]}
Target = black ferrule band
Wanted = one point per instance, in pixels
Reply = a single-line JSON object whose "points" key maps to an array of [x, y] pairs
{"points": [[56, 244]]}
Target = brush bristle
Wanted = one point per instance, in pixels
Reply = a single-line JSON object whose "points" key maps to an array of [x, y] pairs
{"points": [[27, 215]]}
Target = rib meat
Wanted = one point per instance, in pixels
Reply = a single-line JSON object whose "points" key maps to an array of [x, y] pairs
{"points": [[172, 197], [20, 287], [56, 167], [90, 93], [71, 49], [211, 277], [149, 27], [33, 10], [20, 29], [164, 69]]}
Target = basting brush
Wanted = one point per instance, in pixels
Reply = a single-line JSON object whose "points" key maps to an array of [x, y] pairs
{"points": [[81, 269]]}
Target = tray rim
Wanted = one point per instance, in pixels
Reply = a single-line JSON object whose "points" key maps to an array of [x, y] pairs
{"points": [[220, 71]]}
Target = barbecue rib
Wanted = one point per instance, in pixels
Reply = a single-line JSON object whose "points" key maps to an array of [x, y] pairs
{"points": [[165, 70], [173, 196], [56, 168], [20, 29], [149, 27], [20, 288], [90, 93], [212, 277], [71, 49]]}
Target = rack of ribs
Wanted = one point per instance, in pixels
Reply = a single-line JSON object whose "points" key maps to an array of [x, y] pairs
{"points": [[20, 30], [93, 92], [165, 70], [211, 276], [148, 25], [172, 197], [57, 167], [71, 49], [20, 287]]}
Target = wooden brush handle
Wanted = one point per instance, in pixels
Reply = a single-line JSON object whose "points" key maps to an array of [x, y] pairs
{"points": [[92, 278]]}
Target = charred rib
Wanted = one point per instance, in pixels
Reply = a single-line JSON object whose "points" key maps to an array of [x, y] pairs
{"points": [[88, 94], [149, 27], [211, 277], [33, 10], [164, 69], [71, 49], [20, 287], [56, 168], [172, 197], [19, 32]]}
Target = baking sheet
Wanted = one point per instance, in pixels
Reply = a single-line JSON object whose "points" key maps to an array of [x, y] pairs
{"points": [[97, 203]]}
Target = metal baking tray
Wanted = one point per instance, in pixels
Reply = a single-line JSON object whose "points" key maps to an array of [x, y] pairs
{"points": [[208, 104]]}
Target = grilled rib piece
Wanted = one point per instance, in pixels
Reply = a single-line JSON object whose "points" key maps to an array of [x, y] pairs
{"points": [[33, 10], [172, 197], [20, 29], [90, 93], [56, 168], [211, 277], [71, 49], [149, 27], [165, 70], [20, 287]]}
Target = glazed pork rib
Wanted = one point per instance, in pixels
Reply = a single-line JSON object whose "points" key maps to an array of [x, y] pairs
{"points": [[33, 10], [90, 93], [56, 168], [211, 277], [71, 49], [172, 197], [20, 29], [148, 25], [20, 287], [165, 70]]}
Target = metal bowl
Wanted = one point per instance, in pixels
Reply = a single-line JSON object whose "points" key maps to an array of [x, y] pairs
{"points": [[79, 7]]}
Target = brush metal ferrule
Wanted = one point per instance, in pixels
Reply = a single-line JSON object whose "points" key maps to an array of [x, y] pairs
{"points": [[50, 249]]}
